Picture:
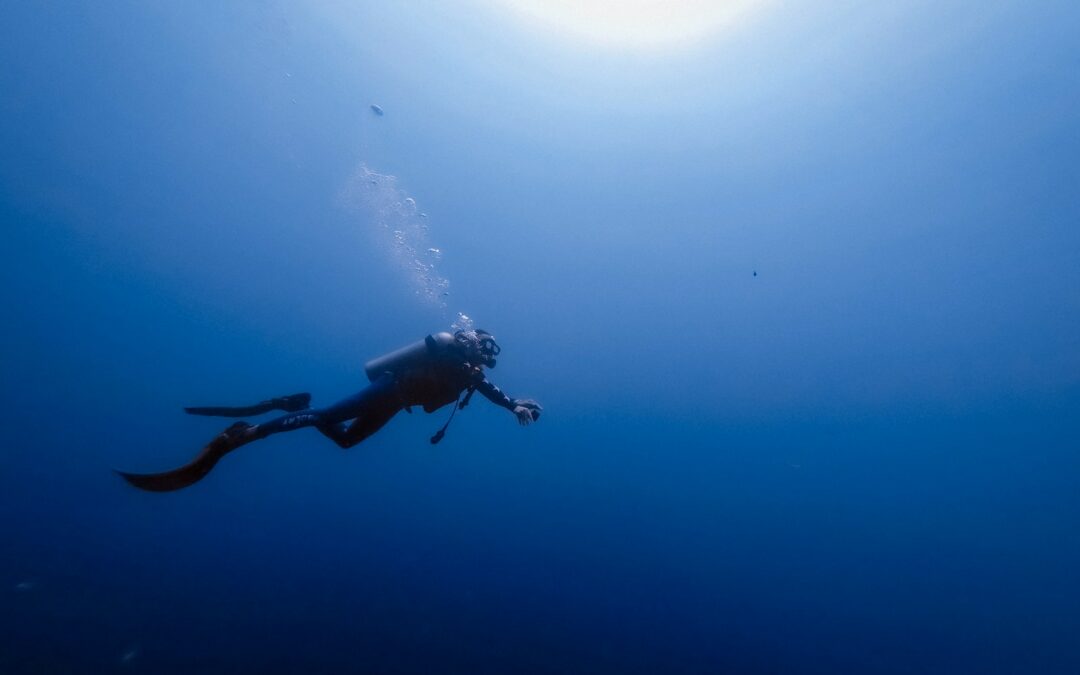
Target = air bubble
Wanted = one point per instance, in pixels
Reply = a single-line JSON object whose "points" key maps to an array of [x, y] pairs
{"points": [[394, 215]]}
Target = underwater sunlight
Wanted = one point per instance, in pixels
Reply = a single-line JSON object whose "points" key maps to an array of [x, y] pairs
{"points": [[635, 24]]}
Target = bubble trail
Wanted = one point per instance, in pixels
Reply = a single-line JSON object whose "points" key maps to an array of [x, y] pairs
{"points": [[401, 229]]}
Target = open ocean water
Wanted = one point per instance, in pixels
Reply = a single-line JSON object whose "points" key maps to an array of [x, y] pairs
{"points": [[798, 288]]}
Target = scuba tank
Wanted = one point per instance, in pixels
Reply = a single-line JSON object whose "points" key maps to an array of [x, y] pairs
{"points": [[433, 347]]}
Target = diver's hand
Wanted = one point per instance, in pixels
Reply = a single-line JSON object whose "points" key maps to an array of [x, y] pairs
{"points": [[527, 411]]}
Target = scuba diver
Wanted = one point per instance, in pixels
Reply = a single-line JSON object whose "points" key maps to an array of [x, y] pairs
{"points": [[440, 369]]}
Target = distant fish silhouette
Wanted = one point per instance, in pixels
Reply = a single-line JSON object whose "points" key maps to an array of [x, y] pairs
{"points": [[755, 273], [377, 110], [25, 586]]}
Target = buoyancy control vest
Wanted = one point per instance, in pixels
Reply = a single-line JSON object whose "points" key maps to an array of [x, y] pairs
{"points": [[431, 372]]}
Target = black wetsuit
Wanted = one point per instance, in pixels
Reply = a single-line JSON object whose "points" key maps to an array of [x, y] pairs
{"points": [[430, 387]]}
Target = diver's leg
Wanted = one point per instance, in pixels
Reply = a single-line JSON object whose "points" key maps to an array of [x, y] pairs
{"points": [[368, 422], [297, 420], [237, 435], [371, 410], [380, 399], [290, 403]]}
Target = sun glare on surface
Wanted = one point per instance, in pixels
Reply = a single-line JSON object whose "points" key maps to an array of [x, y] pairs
{"points": [[636, 24]]}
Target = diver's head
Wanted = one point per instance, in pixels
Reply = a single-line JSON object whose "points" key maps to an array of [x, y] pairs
{"points": [[479, 346]]}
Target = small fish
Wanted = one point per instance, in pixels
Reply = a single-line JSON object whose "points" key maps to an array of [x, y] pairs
{"points": [[377, 110], [25, 586]]}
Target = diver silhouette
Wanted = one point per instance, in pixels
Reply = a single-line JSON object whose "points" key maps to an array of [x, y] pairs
{"points": [[440, 369]]}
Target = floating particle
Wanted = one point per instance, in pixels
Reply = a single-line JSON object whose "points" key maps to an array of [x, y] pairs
{"points": [[129, 655], [377, 110]]}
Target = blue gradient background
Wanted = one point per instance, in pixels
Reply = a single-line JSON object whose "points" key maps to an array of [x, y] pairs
{"points": [[864, 459]]}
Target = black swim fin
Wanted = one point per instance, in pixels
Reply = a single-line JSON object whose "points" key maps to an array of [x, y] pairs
{"points": [[194, 471], [291, 403]]}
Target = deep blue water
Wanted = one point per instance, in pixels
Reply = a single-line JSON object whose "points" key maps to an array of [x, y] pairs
{"points": [[802, 303]]}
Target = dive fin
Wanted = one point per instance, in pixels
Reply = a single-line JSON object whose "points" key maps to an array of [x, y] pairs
{"points": [[194, 471], [291, 403]]}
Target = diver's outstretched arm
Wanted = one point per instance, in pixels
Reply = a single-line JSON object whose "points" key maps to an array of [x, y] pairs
{"points": [[526, 409]]}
